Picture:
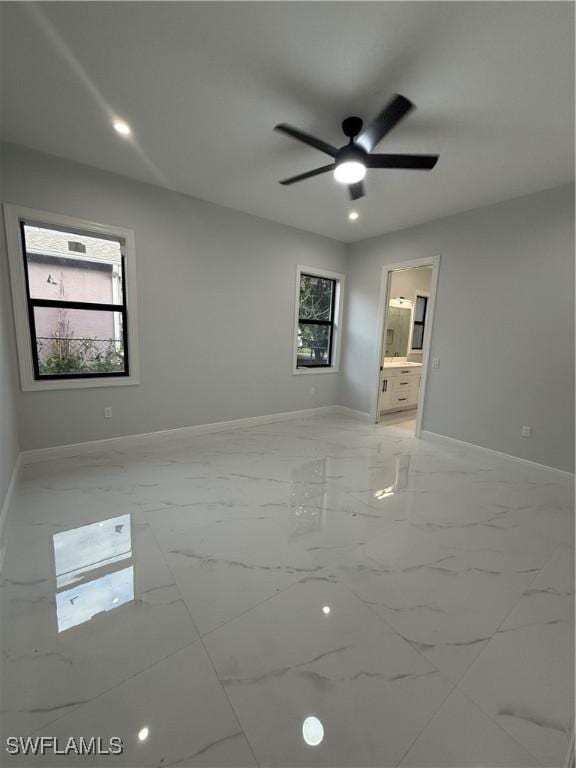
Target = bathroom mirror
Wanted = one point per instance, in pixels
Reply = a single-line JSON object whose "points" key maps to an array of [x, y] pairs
{"points": [[398, 330]]}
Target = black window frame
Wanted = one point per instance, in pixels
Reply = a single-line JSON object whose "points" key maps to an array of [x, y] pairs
{"points": [[87, 305], [330, 323], [419, 322]]}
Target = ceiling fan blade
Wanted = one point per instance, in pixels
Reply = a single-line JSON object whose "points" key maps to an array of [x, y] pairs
{"points": [[312, 141], [356, 190], [407, 162], [308, 174], [389, 117]]}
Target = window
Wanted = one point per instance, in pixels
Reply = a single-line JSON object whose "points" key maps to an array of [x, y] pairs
{"points": [[74, 301], [419, 322], [318, 310], [76, 304]]}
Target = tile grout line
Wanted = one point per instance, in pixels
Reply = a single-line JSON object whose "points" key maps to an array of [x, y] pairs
{"points": [[456, 685], [498, 725], [477, 703], [83, 704], [426, 659], [201, 640], [371, 608], [265, 600]]}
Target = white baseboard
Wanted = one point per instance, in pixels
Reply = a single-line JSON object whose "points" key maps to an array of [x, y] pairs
{"points": [[6, 505], [343, 409], [436, 437], [125, 441], [569, 760]]}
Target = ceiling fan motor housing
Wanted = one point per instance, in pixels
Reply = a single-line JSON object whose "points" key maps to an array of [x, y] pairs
{"points": [[351, 153], [352, 126]]}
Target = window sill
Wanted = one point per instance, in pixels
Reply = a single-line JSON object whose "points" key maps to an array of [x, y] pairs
{"points": [[315, 371], [50, 384]]}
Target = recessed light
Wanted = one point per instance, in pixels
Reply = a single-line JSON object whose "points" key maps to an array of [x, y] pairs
{"points": [[326, 609], [143, 734], [121, 127], [353, 215], [312, 731]]}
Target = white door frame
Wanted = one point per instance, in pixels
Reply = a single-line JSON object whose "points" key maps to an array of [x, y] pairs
{"points": [[387, 269]]}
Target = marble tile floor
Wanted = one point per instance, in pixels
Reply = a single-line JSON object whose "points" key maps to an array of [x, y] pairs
{"points": [[405, 420], [318, 592]]}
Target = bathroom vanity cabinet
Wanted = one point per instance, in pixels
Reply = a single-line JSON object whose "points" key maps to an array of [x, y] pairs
{"points": [[399, 386]]}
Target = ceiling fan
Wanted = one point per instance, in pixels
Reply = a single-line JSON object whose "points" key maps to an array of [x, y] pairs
{"points": [[352, 160]]}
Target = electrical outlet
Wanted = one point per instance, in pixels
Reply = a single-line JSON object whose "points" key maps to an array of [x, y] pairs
{"points": [[107, 413], [435, 362], [526, 431]]}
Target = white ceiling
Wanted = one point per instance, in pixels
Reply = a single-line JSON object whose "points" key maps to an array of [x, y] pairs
{"points": [[203, 84]]}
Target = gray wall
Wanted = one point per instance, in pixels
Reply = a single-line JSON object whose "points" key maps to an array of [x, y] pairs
{"points": [[215, 306], [216, 293], [503, 329], [8, 427]]}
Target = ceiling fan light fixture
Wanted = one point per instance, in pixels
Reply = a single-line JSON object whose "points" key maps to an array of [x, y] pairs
{"points": [[350, 172]]}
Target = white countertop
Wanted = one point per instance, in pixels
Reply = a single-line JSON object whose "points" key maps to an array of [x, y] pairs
{"points": [[401, 364]]}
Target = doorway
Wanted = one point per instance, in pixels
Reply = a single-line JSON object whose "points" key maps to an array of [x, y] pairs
{"points": [[405, 318]]}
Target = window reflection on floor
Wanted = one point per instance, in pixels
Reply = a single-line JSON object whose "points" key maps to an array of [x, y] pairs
{"points": [[91, 570], [77, 605]]}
